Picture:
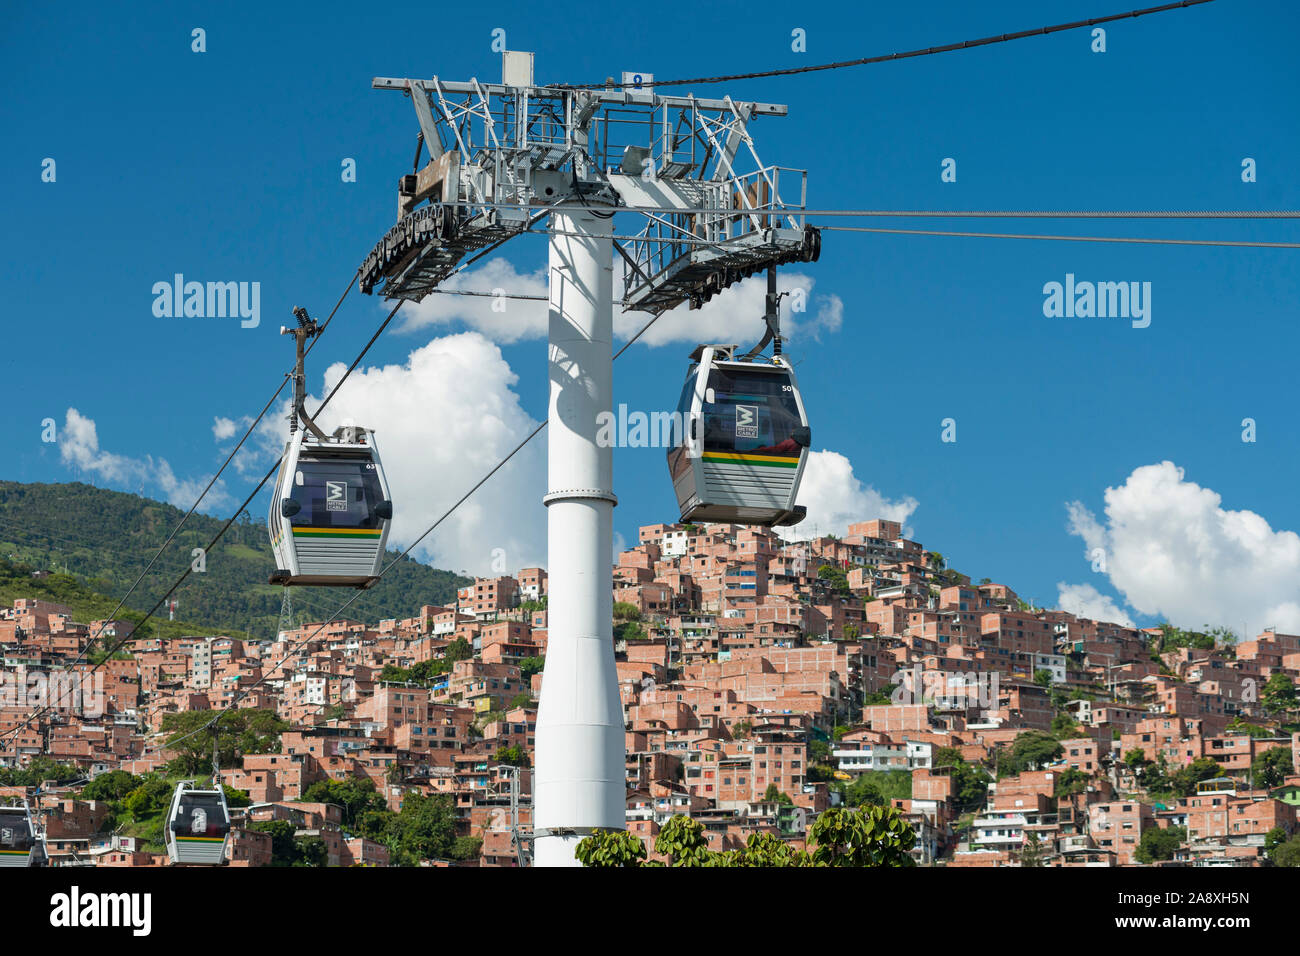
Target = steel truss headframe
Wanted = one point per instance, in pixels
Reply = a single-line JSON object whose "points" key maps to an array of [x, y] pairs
{"points": [[500, 153]]}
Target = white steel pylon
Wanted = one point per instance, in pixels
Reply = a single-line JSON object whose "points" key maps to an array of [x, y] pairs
{"points": [[501, 156], [579, 783]]}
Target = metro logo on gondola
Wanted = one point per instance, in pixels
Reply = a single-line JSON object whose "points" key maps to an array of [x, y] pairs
{"points": [[746, 421], [336, 496]]}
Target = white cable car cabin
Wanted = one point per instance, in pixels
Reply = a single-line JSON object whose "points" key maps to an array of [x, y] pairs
{"points": [[744, 440], [198, 825], [20, 843], [330, 512]]}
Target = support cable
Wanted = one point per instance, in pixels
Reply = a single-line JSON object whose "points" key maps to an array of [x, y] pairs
{"points": [[926, 51]]}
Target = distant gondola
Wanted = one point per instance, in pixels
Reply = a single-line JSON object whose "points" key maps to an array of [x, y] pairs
{"points": [[744, 440], [198, 825], [20, 842]]}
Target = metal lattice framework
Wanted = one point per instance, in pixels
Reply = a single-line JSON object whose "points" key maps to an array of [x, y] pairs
{"points": [[499, 154]]}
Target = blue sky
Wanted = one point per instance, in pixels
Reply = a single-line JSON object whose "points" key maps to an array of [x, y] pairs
{"points": [[225, 165]]}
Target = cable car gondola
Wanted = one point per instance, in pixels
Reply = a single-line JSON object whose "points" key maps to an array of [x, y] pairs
{"points": [[198, 825], [744, 440], [21, 844], [330, 512]]}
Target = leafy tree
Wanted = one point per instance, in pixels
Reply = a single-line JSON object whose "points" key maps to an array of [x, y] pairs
{"points": [[1183, 781], [819, 751], [1239, 726], [1136, 759], [1274, 838], [354, 795], [1159, 843], [1030, 750], [392, 674], [250, 731], [1043, 677], [971, 782], [425, 829], [528, 666], [458, 650], [871, 836], [523, 699], [1287, 854], [288, 849], [878, 788], [1031, 854], [623, 611], [1270, 768], [607, 848], [109, 787], [1278, 695], [1065, 727], [466, 848], [773, 793], [1069, 782], [629, 631], [766, 849], [836, 576], [40, 769], [514, 756], [683, 841], [741, 729], [150, 798], [1154, 777]]}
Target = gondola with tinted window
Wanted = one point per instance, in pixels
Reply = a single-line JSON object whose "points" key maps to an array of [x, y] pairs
{"points": [[198, 825], [744, 440], [330, 511], [21, 843]]}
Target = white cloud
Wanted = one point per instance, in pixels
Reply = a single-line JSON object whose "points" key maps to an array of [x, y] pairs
{"points": [[835, 498], [1085, 600], [79, 449], [223, 428], [501, 320], [442, 420], [1173, 551], [735, 315]]}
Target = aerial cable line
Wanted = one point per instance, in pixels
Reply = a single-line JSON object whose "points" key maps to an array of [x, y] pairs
{"points": [[346, 604], [1124, 239], [863, 61], [91, 639], [794, 212], [189, 568]]}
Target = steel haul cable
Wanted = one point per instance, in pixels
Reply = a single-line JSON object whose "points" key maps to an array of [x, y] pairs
{"points": [[189, 568], [888, 57], [286, 657]]}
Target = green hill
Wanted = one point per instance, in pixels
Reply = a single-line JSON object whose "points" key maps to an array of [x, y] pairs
{"points": [[103, 539]]}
